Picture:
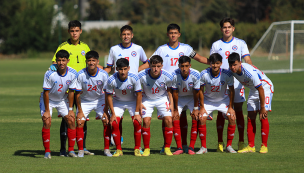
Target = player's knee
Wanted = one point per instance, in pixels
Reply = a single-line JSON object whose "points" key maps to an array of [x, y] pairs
{"points": [[252, 115], [47, 124], [136, 123], [80, 123], [203, 120], [168, 121], [146, 122], [231, 122]]}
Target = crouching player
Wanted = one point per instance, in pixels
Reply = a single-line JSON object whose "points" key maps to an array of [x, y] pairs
{"points": [[91, 82], [259, 99], [156, 84], [215, 80], [125, 85], [185, 86], [55, 86]]}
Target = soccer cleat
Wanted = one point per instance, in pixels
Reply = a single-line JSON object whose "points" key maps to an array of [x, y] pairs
{"points": [[168, 151], [117, 153], [107, 153], [72, 154], [220, 147], [137, 152], [80, 153], [47, 155], [247, 149], [87, 152], [63, 153], [263, 149], [191, 151], [229, 149], [202, 151], [178, 151], [185, 148], [146, 152], [241, 145]]}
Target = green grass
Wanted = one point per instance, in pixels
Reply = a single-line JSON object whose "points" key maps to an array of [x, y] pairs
{"points": [[22, 150]]}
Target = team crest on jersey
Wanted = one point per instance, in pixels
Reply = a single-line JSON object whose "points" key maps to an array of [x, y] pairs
{"points": [[68, 82], [133, 54], [234, 47], [99, 82], [222, 82], [190, 84], [83, 53], [143, 112], [129, 86], [181, 54], [162, 84]]}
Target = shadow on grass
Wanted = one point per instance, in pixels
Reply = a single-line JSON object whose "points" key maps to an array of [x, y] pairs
{"points": [[32, 153]]}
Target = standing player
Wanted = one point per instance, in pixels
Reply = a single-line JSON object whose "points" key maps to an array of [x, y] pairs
{"points": [[225, 47], [185, 86], [156, 85], [215, 80], [55, 86], [77, 50], [170, 54], [125, 85], [91, 82], [259, 99]]}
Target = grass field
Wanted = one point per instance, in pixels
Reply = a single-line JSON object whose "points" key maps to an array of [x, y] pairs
{"points": [[22, 150]]}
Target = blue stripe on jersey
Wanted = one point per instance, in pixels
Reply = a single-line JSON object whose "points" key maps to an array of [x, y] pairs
{"points": [[227, 72], [133, 76], [259, 76], [46, 88], [204, 72], [138, 90], [245, 55], [194, 73], [102, 71], [109, 65], [167, 74], [79, 73], [143, 73], [78, 90], [49, 73], [173, 48], [247, 73], [72, 89], [258, 85], [112, 78], [72, 70]]}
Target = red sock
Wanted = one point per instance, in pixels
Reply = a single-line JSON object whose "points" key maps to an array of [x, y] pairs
{"points": [[251, 130], [220, 123], [137, 133], [177, 133], [146, 136], [79, 137], [230, 134], [116, 133], [107, 136], [193, 133], [240, 124], [202, 134], [168, 136], [184, 129], [264, 131], [120, 126], [163, 129], [46, 139], [71, 139]]}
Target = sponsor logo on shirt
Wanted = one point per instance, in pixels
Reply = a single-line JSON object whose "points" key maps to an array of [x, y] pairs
{"points": [[167, 55], [133, 53], [83, 53], [99, 82], [234, 47], [68, 82], [181, 54]]}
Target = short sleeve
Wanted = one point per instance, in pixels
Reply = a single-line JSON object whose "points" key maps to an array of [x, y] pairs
{"points": [[47, 84], [230, 80], [78, 83], [174, 81], [169, 82], [256, 80], [202, 79], [110, 88], [245, 51], [137, 85], [110, 61], [143, 56], [73, 84], [105, 79], [197, 83], [212, 50], [188, 50]]}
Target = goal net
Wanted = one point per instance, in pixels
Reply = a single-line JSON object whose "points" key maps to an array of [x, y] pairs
{"points": [[281, 48]]}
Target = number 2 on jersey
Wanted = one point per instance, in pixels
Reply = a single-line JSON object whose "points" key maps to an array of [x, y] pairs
{"points": [[174, 61], [215, 88], [59, 89], [91, 88]]}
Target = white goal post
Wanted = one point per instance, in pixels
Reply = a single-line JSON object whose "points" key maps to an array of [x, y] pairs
{"points": [[281, 48]]}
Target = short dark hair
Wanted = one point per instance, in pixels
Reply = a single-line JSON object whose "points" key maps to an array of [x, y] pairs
{"points": [[173, 26], [74, 23], [233, 57], [122, 62], [213, 58], [156, 59], [92, 54], [126, 27], [184, 59], [62, 54], [227, 19]]}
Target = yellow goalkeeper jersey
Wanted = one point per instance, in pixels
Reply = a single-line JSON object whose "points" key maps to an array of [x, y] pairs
{"points": [[77, 54]]}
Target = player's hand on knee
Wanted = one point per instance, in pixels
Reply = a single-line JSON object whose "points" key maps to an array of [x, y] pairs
{"points": [[231, 113], [202, 113], [80, 117], [137, 118], [175, 115], [263, 113], [53, 67], [195, 113], [113, 118], [105, 118], [46, 115], [143, 107], [71, 115]]}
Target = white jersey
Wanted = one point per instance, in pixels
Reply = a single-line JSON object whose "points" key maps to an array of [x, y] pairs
{"points": [[253, 78], [91, 86], [226, 48], [124, 90], [155, 88], [185, 86], [133, 53], [59, 85], [171, 55], [215, 87]]}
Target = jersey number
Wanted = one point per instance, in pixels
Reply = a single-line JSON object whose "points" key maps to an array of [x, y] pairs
{"points": [[156, 90], [124, 92], [174, 61], [60, 86], [242, 92], [227, 53], [91, 88], [267, 100], [215, 88], [185, 90]]}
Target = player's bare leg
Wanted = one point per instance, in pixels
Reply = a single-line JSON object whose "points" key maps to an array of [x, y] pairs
{"points": [[184, 130], [238, 108], [70, 119], [230, 133], [177, 135], [146, 135], [220, 123], [46, 136], [202, 131], [251, 131]]}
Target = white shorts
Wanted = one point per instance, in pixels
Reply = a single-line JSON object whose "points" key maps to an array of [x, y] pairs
{"points": [[161, 104], [61, 106], [121, 106], [239, 92], [96, 105], [253, 103], [185, 103], [221, 106]]}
